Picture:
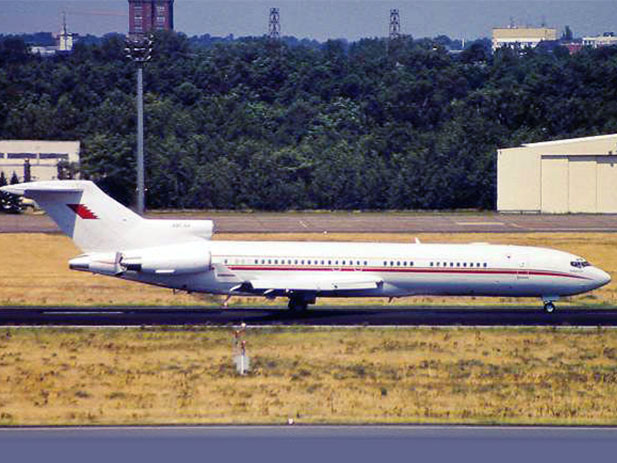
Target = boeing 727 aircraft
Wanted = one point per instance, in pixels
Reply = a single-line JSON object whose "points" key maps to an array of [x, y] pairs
{"points": [[179, 254]]}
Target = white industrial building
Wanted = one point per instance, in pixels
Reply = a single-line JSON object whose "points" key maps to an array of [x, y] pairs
{"points": [[578, 175], [42, 155], [605, 40], [522, 37], [64, 43]]}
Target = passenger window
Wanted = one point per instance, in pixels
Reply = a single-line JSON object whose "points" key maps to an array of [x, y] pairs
{"points": [[485, 264], [464, 264], [256, 261], [329, 262]]}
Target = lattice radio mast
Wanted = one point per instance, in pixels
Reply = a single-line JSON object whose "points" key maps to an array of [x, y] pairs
{"points": [[274, 25], [395, 24]]}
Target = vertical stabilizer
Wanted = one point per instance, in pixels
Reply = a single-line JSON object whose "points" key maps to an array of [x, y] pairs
{"points": [[92, 219]]}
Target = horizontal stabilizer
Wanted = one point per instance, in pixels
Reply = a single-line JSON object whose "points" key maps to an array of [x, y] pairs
{"points": [[30, 189], [98, 223]]}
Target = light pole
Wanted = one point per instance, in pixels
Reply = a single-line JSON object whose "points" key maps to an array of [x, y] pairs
{"points": [[140, 51]]}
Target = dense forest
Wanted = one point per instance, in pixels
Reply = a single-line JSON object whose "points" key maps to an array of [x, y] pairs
{"points": [[248, 123]]}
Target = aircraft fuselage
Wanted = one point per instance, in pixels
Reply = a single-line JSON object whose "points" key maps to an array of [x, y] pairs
{"points": [[402, 269]]}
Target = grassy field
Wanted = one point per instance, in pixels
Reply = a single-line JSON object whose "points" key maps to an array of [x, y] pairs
{"points": [[185, 375], [34, 270], [440, 375]]}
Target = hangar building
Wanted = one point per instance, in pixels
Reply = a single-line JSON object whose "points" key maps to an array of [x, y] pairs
{"points": [[42, 155], [578, 175]]}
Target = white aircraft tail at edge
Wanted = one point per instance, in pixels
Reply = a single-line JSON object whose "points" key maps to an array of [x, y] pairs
{"points": [[98, 223], [179, 254]]}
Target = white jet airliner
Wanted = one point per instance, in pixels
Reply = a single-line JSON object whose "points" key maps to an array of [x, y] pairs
{"points": [[179, 254]]}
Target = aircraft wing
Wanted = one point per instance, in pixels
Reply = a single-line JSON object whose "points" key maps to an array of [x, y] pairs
{"points": [[310, 284]]}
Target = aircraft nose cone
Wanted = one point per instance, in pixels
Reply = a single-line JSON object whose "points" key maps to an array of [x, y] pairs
{"points": [[602, 277]]}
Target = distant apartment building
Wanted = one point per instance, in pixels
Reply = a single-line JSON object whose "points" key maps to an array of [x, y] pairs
{"points": [[150, 15], [522, 37], [605, 40], [41, 157]]}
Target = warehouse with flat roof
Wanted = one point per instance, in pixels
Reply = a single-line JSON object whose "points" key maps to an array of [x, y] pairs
{"points": [[577, 175], [522, 37], [42, 156]]}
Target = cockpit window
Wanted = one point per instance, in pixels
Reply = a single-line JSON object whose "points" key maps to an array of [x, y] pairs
{"points": [[580, 263]]}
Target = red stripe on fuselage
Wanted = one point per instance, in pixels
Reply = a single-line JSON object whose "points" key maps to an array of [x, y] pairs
{"points": [[409, 270]]}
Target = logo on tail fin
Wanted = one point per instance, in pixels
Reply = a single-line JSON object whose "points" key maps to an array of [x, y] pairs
{"points": [[82, 211]]}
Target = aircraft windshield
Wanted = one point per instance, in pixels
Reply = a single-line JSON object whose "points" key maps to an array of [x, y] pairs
{"points": [[581, 263]]}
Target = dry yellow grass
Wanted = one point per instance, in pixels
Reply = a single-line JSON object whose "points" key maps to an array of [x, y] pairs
{"points": [[149, 376], [34, 269]]}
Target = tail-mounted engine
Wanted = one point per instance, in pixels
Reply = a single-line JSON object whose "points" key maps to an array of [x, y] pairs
{"points": [[179, 259], [103, 263]]}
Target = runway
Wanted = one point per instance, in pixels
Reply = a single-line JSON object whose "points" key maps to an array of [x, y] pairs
{"points": [[359, 222], [321, 316], [308, 443]]}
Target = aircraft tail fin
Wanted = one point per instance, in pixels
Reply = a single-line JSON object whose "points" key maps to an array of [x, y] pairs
{"points": [[97, 222], [82, 211]]}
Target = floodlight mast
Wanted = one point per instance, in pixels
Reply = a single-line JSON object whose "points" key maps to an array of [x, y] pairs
{"points": [[139, 50]]}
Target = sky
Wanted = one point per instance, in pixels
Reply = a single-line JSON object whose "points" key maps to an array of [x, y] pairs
{"points": [[318, 19]]}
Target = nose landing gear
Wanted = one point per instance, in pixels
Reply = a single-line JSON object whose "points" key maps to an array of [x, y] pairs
{"points": [[549, 307]]}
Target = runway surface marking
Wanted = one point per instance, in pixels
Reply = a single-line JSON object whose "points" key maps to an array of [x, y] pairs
{"points": [[480, 223], [325, 429]]}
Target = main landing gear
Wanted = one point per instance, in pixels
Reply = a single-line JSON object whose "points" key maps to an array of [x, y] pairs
{"points": [[300, 302]]}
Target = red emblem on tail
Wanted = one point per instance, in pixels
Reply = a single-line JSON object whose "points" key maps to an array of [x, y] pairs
{"points": [[82, 211]]}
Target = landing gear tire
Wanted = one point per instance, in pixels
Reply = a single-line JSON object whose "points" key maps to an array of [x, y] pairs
{"points": [[549, 307], [297, 304]]}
